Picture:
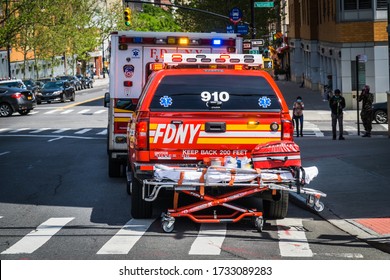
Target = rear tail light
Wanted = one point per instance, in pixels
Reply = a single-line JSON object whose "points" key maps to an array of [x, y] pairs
{"points": [[287, 130], [16, 95], [141, 135]]}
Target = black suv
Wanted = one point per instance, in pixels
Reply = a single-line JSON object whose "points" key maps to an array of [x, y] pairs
{"points": [[15, 100]]}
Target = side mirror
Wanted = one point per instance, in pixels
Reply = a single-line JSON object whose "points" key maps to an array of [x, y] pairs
{"points": [[106, 101]]}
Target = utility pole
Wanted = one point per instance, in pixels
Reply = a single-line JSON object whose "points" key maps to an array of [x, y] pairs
{"points": [[253, 31], [8, 45]]}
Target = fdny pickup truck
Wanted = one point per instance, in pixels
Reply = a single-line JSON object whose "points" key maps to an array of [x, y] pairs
{"points": [[199, 107], [131, 54]]}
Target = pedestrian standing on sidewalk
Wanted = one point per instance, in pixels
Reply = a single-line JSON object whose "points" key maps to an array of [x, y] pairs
{"points": [[366, 114], [337, 104], [298, 108]]}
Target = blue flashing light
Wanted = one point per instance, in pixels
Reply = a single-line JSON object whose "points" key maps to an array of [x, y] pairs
{"points": [[217, 42], [137, 40]]}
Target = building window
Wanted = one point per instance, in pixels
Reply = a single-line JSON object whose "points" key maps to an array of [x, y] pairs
{"points": [[357, 4], [381, 4]]}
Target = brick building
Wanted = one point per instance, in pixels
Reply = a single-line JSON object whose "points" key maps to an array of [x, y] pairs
{"points": [[327, 36]]}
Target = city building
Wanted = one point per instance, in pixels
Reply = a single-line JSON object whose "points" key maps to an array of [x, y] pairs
{"points": [[337, 38]]}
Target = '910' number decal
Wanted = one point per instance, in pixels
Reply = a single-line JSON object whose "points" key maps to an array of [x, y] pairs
{"points": [[214, 96]]}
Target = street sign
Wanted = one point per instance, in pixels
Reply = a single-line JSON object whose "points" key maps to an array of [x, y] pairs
{"points": [[235, 15], [263, 4], [253, 51], [243, 29], [257, 42], [230, 29]]}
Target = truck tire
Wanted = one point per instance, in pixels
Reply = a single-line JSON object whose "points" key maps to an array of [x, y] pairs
{"points": [[275, 210], [114, 167], [140, 209]]}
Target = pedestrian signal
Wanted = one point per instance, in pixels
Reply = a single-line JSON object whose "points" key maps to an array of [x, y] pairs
{"points": [[127, 16]]}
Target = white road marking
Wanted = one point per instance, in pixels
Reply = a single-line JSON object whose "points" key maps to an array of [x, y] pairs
{"points": [[61, 130], [82, 131], [52, 112], [4, 153], [100, 111], [209, 240], [19, 130], [3, 129], [103, 132], [40, 130], [342, 255], [126, 237], [83, 111], [292, 238], [66, 112], [37, 237]]}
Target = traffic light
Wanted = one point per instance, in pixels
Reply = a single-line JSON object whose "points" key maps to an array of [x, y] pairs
{"points": [[127, 15]]}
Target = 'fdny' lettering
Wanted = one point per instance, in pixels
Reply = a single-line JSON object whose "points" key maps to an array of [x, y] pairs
{"points": [[181, 134]]}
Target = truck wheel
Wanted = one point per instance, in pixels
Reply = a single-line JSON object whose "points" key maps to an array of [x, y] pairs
{"points": [[140, 209], [274, 210], [114, 167]]}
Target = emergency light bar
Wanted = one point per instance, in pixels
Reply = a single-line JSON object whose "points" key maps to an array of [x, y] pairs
{"points": [[226, 59], [173, 40]]}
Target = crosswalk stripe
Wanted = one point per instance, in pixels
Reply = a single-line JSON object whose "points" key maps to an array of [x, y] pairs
{"points": [[38, 237], [292, 238], [82, 131], [19, 130], [126, 237], [83, 111], [100, 111], [209, 240], [66, 112], [40, 130], [52, 112], [103, 132], [61, 130]]}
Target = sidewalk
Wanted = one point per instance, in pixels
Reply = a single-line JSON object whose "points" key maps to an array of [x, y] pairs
{"points": [[101, 81], [315, 108], [353, 173]]}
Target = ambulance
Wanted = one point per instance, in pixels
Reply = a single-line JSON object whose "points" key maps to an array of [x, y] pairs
{"points": [[131, 54]]}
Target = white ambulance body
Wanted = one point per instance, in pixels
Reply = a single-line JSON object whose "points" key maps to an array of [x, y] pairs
{"points": [[130, 57]]}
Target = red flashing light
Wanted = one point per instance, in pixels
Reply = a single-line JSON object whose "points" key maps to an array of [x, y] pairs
{"points": [[128, 83]]}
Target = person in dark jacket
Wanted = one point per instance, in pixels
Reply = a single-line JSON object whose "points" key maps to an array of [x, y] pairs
{"points": [[366, 114], [337, 104], [298, 108]]}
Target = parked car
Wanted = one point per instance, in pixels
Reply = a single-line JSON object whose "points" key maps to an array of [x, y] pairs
{"points": [[379, 111], [56, 90], [32, 85], [15, 83], [15, 100], [42, 81], [74, 81], [86, 82]]}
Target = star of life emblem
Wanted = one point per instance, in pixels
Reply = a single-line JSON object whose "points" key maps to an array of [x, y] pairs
{"points": [[264, 102], [165, 101]]}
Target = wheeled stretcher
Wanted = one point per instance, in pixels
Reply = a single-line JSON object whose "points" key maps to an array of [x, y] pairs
{"points": [[219, 186]]}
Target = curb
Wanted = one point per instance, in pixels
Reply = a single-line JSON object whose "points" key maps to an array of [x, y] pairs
{"points": [[349, 226]]}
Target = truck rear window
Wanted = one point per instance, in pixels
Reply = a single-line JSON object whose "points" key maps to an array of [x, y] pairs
{"points": [[214, 92]]}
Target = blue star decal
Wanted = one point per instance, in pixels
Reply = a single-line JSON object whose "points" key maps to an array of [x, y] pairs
{"points": [[264, 102], [165, 101]]}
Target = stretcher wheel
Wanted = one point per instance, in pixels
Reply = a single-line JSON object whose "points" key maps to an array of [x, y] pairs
{"points": [[167, 226], [259, 222], [167, 223], [319, 206]]}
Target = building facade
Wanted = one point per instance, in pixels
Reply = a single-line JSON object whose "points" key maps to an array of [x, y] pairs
{"points": [[344, 39]]}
